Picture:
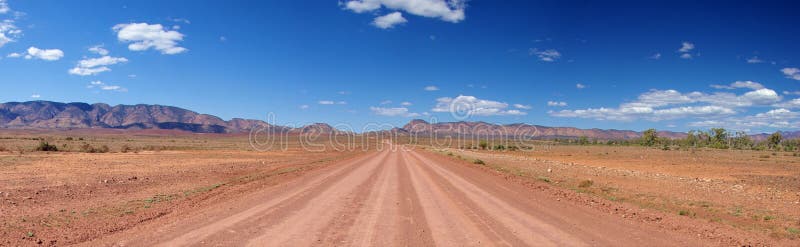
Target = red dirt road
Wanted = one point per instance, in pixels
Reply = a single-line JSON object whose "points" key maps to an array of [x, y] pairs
{"points": [[399, 198]]}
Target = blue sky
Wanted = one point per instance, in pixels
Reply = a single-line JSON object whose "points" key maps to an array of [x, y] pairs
{"points": [[625, 65]]}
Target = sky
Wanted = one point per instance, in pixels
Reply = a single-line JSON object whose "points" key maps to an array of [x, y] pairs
{"points": [[669, 65]]}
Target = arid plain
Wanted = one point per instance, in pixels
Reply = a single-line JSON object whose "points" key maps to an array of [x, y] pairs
{"points": [[141, 188]]}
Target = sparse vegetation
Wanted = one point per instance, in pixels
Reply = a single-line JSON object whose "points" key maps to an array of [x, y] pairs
{"points": [[46, 147], [544, 179], [479, 162], [88, 148], [585, 184]]}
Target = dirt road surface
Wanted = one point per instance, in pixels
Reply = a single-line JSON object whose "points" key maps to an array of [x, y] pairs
{"points": [[399, 198]]}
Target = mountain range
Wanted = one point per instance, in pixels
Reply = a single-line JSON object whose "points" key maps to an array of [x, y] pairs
{"points": [[55, 115]]}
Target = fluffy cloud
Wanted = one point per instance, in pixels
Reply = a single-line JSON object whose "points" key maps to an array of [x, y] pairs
{"points": [[556, 103], [580, 86], [686, 47], [795, 103], [740, 84], [406, 103], [549, 55], [14, 55], [93, 66], [98, 49], [446, 10], [776, 118], [393, 112], [105, 87], [35, 96], [524, 107], [389, 20], [431, 88], [657, 105], [143, 36], [465, 106], [792, 73], [44, 54], [326, 102], [8, 32], [4, 7]]}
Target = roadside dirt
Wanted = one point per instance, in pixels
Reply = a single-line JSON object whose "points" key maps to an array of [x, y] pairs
{"points": [[402, 198]]}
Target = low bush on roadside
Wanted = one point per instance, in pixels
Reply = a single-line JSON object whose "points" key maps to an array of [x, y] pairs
{"points": [[544, 179], [88, 148], [46, 147], [586, 184], [479, 162]]}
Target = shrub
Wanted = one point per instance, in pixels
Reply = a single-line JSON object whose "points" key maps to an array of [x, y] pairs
{"points": [[500, 147], [479, 162], [586, 183], [87, 148], [483, 145], [46, 147], [125, 148], [69, 139]]}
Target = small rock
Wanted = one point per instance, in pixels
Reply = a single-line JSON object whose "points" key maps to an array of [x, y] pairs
{"points": [[549, 170]]}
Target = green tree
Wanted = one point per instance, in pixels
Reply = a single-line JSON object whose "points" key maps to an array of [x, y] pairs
{"points": [[649, 137], [583, 140], [742, 141], [774, 140], [719, 138], [483, 145], [691, 139]]}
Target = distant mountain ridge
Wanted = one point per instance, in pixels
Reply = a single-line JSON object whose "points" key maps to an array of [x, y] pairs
{"points": [[55, 115]]}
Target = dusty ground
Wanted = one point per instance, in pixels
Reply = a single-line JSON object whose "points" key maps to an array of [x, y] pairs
{"points": [[757, 191], [60, 198], [178, 189]]}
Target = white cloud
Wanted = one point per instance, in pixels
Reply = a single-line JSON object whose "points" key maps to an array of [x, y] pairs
{"points": [[431, 88], [93, 66], [341, 102], [8, 32], [656, 56], [556, 103], [406, 103], [446, 10], [393, 112], [386, 102], [779, 118], [14, 55], [389, 20], [791, 92], [653, 105], [524, 107], [36, 96], [754, 59], [792, 73], [304, 107], [549, 55], [472, 106], [4, 7], [686, 47], [326, 102], [580, 86], [740, 84], [794, 103], [44, 54], [143, 36], [98, 49], [105, 87]]}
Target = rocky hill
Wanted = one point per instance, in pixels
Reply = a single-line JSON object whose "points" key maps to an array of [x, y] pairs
{"points": [[55, 115]]}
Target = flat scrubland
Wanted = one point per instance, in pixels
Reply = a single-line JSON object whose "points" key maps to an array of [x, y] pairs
{"points": [[104, 183], [127, 178], [757, 191]]}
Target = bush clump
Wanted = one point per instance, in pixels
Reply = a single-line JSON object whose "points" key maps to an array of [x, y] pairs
{"points": [[46, 147], [479, 162], [586, 183], [87, 148]]}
